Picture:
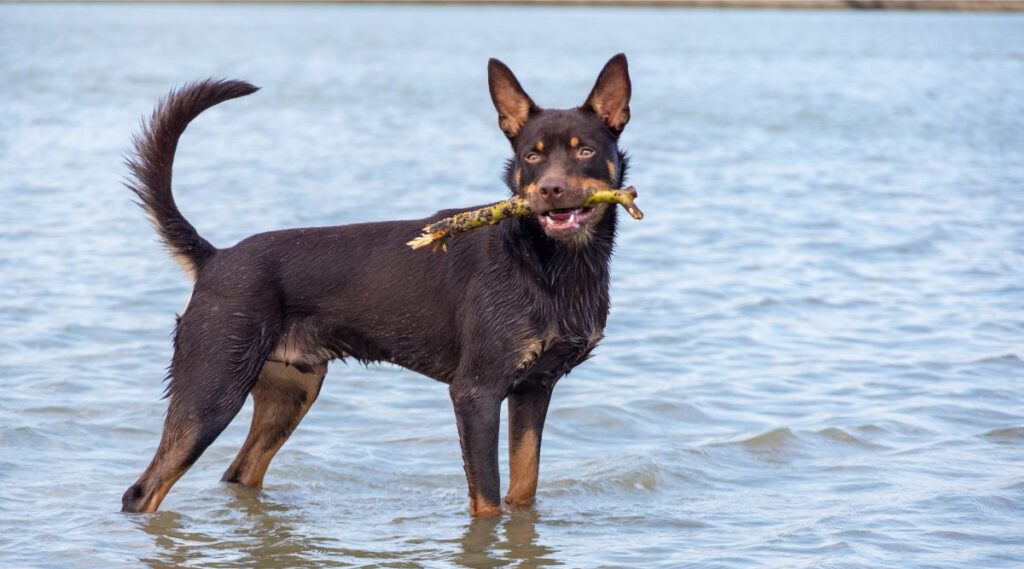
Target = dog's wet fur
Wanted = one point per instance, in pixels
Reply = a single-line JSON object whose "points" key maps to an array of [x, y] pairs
{"points": [[505, 313]]}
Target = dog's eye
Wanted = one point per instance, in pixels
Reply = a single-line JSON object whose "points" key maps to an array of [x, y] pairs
{"points": [[532, 157], [585, 152]]}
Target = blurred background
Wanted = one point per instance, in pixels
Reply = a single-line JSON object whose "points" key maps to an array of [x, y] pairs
{"points": [[814, 356]]}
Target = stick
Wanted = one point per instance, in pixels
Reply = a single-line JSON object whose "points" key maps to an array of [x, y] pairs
{"points": [[439, 232]]}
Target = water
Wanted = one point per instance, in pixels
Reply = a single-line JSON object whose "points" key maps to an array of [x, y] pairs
{"points": [[814, 356]]}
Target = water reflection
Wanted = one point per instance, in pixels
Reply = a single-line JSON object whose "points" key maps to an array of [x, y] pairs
{"points": [[260, 532], [248, 528], [495, 542], [173, 545]]}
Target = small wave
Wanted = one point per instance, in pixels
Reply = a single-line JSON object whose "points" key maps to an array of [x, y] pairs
{"points": [[839, 435], [804, 302], [613, 477], [673, 410], [1008, 360], [774, 440], [1005, 359], [871, 428], [770, 445], [922, 245], [1009, 435], [786, 441], [640, 477]]}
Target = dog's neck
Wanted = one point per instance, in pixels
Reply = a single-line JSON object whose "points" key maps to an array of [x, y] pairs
{"points": [[568, 269], [574, 277], [567, 263]]}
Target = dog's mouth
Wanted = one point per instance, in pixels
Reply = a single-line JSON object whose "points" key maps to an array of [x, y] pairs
{"points": [[564, 221]]}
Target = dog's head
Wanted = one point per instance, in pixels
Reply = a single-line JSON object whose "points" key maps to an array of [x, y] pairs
{"points": [[561, 156]]}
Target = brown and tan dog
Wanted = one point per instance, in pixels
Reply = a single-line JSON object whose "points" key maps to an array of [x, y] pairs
{"points": [[507, 312]]}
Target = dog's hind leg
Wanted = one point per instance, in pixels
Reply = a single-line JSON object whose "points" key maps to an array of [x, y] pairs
{"points": [[218, 355], [282, 396]]}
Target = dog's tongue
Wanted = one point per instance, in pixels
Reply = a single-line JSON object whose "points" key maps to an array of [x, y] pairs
{"points": [[561, 216]]}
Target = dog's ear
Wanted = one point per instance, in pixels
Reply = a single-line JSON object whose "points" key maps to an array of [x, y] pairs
{"points": [[609, 99], [513, 104]]}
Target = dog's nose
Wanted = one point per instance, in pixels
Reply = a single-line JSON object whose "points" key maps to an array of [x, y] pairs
{"points": [[551, 190]]}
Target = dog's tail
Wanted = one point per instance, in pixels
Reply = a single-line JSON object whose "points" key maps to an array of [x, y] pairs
{"points": [[151, 162]]}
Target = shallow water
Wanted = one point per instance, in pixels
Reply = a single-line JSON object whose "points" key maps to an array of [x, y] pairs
{"points": [[814, 357]]}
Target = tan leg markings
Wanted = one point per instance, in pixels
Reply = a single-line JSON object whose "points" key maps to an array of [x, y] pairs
{"points": [[478, 506], [524, 466], [170, 463], [154, 499], [281, 398]]}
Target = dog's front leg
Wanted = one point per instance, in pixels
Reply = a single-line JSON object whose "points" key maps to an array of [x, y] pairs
{"points": [[527, 408], [478, 415]]}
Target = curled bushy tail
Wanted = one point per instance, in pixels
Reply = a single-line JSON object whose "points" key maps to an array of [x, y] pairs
{"points": [[151, 163]]}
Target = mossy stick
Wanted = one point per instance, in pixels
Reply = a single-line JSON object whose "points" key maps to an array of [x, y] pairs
{"points": [[439, 232]]}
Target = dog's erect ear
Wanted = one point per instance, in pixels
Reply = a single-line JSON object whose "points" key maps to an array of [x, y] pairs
{"points": [[609, 99], [513, 104]]}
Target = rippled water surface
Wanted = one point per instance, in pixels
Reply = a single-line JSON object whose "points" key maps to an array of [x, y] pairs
{"points": [[814, 356]]}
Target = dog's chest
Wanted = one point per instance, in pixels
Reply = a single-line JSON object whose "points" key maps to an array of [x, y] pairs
{"points": [[549, 356], [567, 324]]}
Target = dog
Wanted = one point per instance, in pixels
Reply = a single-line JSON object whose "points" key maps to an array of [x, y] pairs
{"points": [[505, 313]]}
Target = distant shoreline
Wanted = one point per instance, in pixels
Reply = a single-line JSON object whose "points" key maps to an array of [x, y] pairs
{"points": [[916, 5]]}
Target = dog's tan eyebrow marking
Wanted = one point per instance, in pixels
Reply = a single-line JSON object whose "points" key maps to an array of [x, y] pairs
{"points": [[574, 142], [611, 169], [539, 146]]}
